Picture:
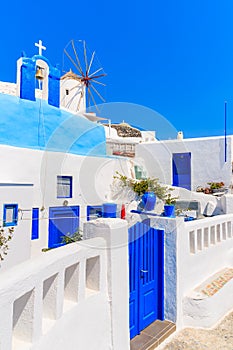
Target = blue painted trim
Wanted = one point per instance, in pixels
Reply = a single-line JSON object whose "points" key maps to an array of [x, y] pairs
{"points": [[161, 272], [13, 207], [35, 223], [59, 218], [181, 170], [14, 184], [41, 57], [143, 240], [61, 177], [27, 79], [98, 211], [143, 212]]}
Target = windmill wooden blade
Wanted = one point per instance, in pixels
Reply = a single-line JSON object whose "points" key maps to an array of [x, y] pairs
{"points": [[97, 82], [98, 70], [80, 99], [74, 87], [93, 99], [99, 76], [85, 55], [97, 92], [84, 62], [91, 61], [71, 59], [77, 59]]}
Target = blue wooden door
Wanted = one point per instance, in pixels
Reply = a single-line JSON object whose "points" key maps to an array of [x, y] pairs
{"points": [[62, 221], [181, 166], [145, 276]]}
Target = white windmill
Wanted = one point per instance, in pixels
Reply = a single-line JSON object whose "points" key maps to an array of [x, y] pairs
{"points": [[81, 88]]}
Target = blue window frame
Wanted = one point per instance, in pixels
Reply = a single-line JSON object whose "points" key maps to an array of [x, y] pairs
{"points": [[35, 223], [10, 214], [94, 212], [64, 186]]}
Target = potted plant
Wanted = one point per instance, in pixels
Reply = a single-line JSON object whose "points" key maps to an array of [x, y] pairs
{"points": [[169, 206], [216, 187], [145, 190]]}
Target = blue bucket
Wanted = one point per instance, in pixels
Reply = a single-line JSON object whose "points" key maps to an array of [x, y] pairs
{"points": [[109, 210]]}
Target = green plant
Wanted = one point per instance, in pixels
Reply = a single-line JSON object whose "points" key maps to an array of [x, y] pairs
{"points": [[4, 239], [143, 185], [169, 200], [44, 250], [75, 237], [216, 185]]}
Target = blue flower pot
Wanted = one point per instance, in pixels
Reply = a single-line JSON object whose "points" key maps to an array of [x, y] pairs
{"points": [[109, 210], [169, 210], [148, 201]]}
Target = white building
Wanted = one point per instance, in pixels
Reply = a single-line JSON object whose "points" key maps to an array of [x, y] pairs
{"points": [[55, 174]]}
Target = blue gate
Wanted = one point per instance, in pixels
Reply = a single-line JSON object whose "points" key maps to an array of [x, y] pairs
{"points": [[62, 221], [181, 165], [146, 276]]}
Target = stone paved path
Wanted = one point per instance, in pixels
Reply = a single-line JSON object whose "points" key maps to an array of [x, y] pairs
{"points": [[218, 338]]}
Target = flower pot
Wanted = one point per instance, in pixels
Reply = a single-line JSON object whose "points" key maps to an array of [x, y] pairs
{"points": [[109, 210], [217, 190], [148, 201], [169, 210]]}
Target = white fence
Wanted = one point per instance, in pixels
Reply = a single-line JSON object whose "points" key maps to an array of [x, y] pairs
{"points": [[69, 297], [204, 247], [40, 296], [213, 231], [194, 251]]}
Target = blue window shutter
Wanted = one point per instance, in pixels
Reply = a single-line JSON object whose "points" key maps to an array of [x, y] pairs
{"points": [[64, 186], [10, 214], [94, 212], [35, 223]]}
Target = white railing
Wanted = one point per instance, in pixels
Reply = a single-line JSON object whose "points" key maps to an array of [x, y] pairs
{"points": [[204, 234], [39, 292], [204, 247]]}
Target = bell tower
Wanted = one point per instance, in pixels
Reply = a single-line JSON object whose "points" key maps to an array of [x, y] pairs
{"points": [[37, 78]]}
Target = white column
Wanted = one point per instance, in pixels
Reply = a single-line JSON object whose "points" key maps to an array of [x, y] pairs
{"points": [[6, 320], [115, 233]]}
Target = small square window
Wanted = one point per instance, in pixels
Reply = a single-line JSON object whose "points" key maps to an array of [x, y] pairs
{"points": [[94, 212], [10, 214], [64, 186]]}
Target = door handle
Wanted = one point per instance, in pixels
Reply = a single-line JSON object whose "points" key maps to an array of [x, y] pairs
{"points": [[142, 273]]}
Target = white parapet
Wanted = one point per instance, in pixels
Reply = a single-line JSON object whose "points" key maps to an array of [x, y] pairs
{"points": [[8, 88], [115, 234], [73, 297], [55, 300], [195, 251]]}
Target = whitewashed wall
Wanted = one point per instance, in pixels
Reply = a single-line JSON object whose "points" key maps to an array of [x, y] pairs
{"points": [[92, 177], [207, 159], [20, 245], [8, 88], [72, 297], [194, 251]]}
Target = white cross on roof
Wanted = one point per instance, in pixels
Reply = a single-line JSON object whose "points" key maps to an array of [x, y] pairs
{"points": [[40, 46]]}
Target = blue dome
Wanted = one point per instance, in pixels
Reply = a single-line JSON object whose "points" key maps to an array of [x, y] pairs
{"points": [[38, 125]]}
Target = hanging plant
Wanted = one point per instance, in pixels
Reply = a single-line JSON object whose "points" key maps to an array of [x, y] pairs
{"points": [[5, 237], [75, 237]]}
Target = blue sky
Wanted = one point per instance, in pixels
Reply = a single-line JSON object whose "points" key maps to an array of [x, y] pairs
{"points": [[174, 57]]}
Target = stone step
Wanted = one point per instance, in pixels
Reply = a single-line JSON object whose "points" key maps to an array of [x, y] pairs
{"points": [[153, 335]]}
